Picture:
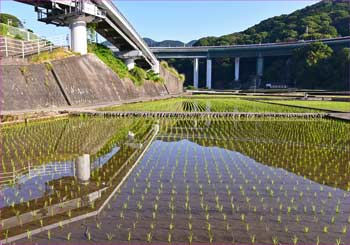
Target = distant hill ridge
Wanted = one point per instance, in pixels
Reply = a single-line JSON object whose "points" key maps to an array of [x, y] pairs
{"points": [[167, 43], [325, 19]]}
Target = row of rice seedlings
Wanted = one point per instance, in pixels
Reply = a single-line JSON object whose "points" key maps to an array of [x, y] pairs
{"points": [[209, 104]]}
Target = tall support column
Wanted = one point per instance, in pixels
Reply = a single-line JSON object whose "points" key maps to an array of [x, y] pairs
{"points": [[130, 63], [237, 60], [209, 67], [78, 36], [260, 66], [156, 68], [195, 72]]}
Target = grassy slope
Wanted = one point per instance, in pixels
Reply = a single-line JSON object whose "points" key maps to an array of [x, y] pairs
{"points": [[137, 75]]}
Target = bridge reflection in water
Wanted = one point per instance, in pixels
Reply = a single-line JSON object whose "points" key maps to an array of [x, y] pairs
{"points": [[30, 183]]}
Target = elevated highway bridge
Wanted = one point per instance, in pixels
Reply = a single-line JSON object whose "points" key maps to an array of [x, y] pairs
{"points": [[109, 23], [239, 51]]}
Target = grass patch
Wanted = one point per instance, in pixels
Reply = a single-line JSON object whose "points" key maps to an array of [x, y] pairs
{"points": [[55, 54], [323, 105]]}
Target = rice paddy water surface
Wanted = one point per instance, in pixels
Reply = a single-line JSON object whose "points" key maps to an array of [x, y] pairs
{"points": [[202, 180]]}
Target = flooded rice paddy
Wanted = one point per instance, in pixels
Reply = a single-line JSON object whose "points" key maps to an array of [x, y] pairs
{"points": [[209, 180], [209, 104]]}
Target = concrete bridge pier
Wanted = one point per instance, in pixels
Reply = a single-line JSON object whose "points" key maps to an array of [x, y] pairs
{"points": [[260, 65], [156, 68], [82, 166], [195, 72], [237, 61], [78, 35], [130, 63], [209, 67]]}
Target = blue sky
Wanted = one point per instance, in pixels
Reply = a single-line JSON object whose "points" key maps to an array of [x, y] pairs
{"points": [[176, 20]]}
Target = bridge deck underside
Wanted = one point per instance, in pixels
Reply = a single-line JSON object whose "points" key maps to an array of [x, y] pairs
{"points": [[105, 30]]}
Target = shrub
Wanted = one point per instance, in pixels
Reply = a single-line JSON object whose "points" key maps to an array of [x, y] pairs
{"points": [[190, 87], [19, 37], [182, 77], [151, 76], [138, 75], [164, 64]]}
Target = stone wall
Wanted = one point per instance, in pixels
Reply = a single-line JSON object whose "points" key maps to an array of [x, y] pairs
{"points": [[78, 81]]}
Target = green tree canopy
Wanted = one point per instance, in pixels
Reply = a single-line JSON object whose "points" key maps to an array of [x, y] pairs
{"points": [[326, 19], [313, 53], [10, 19]]}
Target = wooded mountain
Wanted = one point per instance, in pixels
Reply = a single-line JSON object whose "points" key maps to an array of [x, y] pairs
{"points": [[326, 19], [315, 66]]}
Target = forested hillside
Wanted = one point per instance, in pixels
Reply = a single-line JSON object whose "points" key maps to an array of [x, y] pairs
{"points": [[313, 67], [325, 19]]}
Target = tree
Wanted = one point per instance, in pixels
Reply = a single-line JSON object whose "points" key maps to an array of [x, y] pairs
{"points": [[325, 19], [10, 19], [313, 53]]}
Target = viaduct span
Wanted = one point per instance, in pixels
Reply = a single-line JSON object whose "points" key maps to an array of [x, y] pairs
{"points": [[239, 51]]}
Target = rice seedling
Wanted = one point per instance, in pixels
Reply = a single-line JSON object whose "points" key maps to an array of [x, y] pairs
{"points": [[295, 240], [227, 174], [275, 240], [69, 236], [109, 236]]}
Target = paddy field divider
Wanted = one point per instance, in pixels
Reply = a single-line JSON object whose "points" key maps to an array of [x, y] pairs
{"points": [[196, 114]]}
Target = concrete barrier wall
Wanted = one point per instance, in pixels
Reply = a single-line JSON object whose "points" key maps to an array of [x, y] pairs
{"points": [[84, 80]]}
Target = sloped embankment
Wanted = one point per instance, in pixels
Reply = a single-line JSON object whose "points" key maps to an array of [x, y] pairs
{"points": [[77, 80]]}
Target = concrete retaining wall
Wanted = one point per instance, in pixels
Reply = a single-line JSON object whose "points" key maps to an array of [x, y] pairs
{"points": [[84, 80], [29, 87], [173, 84]]}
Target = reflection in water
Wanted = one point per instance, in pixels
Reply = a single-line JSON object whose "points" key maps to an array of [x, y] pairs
{"points": [[204, 180], [315, 149], [32, 185], [214, 194]]}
